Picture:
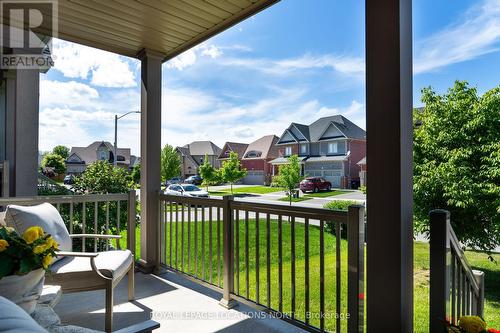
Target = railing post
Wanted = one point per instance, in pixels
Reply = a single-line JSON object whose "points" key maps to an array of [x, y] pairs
{"points": [[439, 269], [356, 264], [228, 255], [479, 276], [131, 222]]}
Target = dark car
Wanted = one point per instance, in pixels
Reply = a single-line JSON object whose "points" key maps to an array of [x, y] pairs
{"points": [[69, 180], [196, 180], [315, 184], [175, 180]]}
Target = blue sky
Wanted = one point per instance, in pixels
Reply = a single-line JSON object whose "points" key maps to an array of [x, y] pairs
{"points": [[292, 62]]}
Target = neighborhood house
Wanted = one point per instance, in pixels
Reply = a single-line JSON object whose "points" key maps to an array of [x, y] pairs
{"points": [[193, 155], [330, 147], [81, 157]]}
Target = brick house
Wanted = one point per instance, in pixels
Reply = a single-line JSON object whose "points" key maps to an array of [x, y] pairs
{"points": [[193, 155], [330, 147]]}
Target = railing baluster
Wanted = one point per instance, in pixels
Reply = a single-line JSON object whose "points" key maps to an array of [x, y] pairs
{"points": [[268, 259], [321, 276], [257, 258], [84, 227], [467, 299], [292, 246], [163, 233], [71, 217], [171, 208], [189, 237], [107, 223], [210, 245], [182, 236], [176, 232], [95, 224], [118, 222], [356, 265], [459, 291], [247, 277], [306, 268], [218, 247], [131, 222], [237, 250], [464, 293], [165, 229], [196, 241], [280, 262], [338, 275], [203, 242]]}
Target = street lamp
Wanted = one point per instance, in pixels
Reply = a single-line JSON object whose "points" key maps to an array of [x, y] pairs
{"points": [[115, 157]]}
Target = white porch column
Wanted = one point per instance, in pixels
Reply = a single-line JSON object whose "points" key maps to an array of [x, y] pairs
{"points": [[21, 146], [389, 152], [150, 157]]}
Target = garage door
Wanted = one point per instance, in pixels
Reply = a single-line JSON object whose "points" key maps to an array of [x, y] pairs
{"points": [[254, 178], [333, 177]]}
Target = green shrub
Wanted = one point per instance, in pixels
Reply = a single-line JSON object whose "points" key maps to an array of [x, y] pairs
{"points": [[363, 189], [338, 205]]}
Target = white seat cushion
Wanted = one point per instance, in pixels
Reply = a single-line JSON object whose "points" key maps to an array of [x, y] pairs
{"points": [[112, 264], [44, 215]]}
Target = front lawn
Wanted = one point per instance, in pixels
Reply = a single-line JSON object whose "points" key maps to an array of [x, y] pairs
{"points": [[294, 199], [478, 260], [260, 189], [325, 194]]}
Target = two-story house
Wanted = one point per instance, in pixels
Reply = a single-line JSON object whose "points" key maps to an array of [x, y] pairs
{"points": [[80, 157], [193, 155], [330, 147]]}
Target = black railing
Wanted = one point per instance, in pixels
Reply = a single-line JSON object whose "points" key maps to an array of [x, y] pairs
{"points": [[275, 257], [455, 289]]}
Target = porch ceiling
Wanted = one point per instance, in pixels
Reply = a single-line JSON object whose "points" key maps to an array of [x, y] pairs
{"points": [[166, 26]]}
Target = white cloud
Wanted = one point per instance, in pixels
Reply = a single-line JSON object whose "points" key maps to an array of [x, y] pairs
{"points": [[476, 33], [189, 57], [66, 93], [103, 68]]}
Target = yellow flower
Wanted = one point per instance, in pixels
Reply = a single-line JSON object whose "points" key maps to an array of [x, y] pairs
{"points": [[32, 234], [47, 260], [3, 245], [472, 324], [50, 243], [39, 249]]}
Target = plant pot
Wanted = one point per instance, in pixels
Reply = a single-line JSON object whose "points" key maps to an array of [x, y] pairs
{"points": [[24, 290]]}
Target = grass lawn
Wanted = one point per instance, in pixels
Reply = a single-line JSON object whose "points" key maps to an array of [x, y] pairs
{"points": [[202, 257], [248, 189], [325, 194], [286, 199]]}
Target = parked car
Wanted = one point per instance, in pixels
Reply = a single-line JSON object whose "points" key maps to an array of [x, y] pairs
{"points": [[69, 180], [315, 184], [196, 180], [175, 180], [187, 190]]}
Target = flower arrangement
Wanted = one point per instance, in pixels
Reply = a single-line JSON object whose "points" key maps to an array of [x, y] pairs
{"points": [[21, 255], [470, 324]]}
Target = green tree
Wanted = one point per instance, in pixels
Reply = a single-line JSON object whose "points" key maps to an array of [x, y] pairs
{"points": [[135, 174], [289, 176], [208, 173], [61, 150], [457, 162], [170, 163], [231, 170], [54, 161], [101, 177]]}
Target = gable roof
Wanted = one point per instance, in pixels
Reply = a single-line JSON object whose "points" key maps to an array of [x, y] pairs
{"points": [[303, 129], [184, 151], [264, 145], [237, 147], [202, 148], [344, 125], [89, 154]]}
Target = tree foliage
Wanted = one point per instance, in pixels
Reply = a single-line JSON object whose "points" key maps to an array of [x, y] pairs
{"points": [[62, 151], [54, 161], [170, 163], [209, 174], [135, 174], [457, 162], [289, 176], [231, 170], [102, 177]]}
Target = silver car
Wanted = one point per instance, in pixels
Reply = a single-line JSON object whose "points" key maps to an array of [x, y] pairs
{"points": [[187, 190]]}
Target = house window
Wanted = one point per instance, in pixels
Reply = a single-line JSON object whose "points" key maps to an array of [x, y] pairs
{"points": [[303, 148], [103, 156], [332, 147], [253, 154], [288, 151]]}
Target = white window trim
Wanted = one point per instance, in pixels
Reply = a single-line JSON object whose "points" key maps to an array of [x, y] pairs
{"points": [[303, 148], [288, 151], [335, 148]]}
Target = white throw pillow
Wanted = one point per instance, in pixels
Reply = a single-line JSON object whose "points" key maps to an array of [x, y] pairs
{"points": [[44, 215]]}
